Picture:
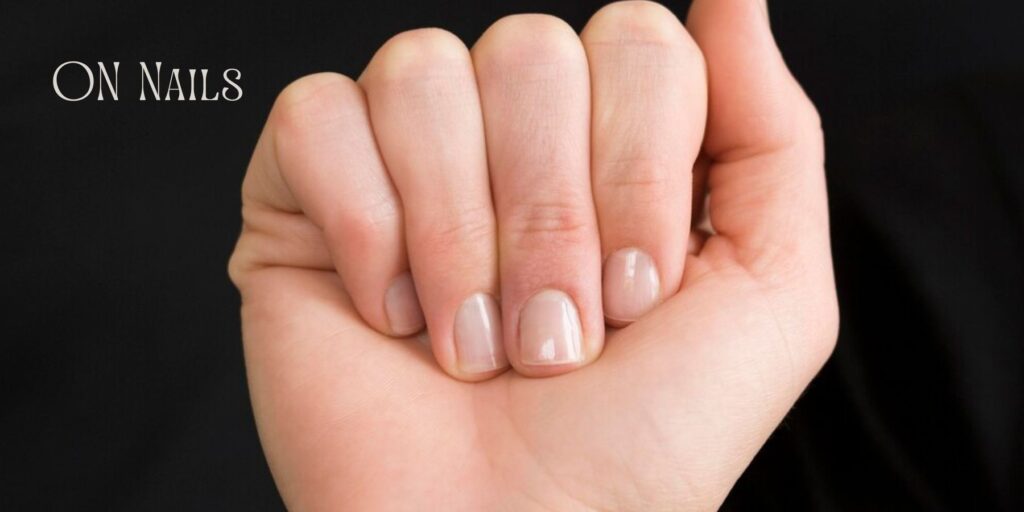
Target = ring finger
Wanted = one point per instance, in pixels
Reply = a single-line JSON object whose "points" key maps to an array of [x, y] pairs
{"points": [[425, 111]]}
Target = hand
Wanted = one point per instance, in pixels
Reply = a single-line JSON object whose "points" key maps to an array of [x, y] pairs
{"points": [[395, 173], [681, 399]]}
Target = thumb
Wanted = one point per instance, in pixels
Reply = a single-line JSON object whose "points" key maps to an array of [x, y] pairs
{"points": [[767, 187], [767, 199]]}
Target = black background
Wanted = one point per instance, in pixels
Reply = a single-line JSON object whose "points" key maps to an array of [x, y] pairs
{"points": [[121, 377]]}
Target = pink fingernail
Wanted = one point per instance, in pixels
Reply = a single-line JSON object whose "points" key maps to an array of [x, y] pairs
{"points": [[402, 307], [478, 341], [549, 330], [631, 285]]}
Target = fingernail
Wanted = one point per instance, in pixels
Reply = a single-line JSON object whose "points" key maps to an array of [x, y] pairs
{"points": [[478, 342], [549, 330], [631, 285], [402, 307]]}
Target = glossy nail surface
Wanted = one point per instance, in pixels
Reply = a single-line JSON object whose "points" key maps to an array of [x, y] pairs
{"points": [[549, 330], [478, 341], [631, 285]]}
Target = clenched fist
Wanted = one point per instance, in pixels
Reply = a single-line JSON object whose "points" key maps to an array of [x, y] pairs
{"points": [[513, 200]]}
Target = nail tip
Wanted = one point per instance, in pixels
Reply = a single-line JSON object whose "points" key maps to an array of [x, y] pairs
{"points": [[552, 362], [477, 369]]}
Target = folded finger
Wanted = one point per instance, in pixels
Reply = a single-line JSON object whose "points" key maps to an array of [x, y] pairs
{"points": [[426, 117], [649, 105]]}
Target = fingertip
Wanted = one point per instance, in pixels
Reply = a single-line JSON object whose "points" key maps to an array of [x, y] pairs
{"points": [[752, 95]]}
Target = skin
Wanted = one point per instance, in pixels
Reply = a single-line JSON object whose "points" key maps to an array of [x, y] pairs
{"points": [[425, 163]]}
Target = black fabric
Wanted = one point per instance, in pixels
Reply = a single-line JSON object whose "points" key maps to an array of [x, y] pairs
{"points": [[121, 378]]}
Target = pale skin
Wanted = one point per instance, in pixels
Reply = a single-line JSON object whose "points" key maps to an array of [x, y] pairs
{"points": [[544, 180]]}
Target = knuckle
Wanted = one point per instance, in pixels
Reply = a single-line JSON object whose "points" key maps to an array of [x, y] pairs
{"points": [[791, 123], [639, 22], [371, 226], [805, 129], [470, 228], [312, 102], [529, 39], [637, 180], [245, 257], [417, 53], [549, 223]]}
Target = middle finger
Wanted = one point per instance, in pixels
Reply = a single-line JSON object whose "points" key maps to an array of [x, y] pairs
{"points": [[535, 95]]}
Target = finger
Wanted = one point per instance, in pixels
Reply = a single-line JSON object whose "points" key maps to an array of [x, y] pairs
{"points": [[425, 110], [317, 157], [766, 181], [534, 89], [649, 106]]}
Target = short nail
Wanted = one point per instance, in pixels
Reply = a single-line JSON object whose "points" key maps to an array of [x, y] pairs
{"points": [[402, 307], [549, 330], [631, 285], [478, 342]]}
